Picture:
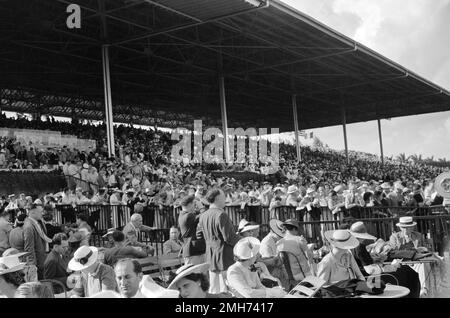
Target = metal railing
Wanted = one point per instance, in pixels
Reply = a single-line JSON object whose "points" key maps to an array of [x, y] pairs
{"points": [[433, 222]]}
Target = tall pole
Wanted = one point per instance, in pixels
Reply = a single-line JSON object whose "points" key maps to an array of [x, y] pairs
{"points": [[223, 111], [344, 126], [381, 141], [108, 100], [297, 142]]}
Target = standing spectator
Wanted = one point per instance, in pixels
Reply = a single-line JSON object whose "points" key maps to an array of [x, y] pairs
{"points": [[5, 229], [216, 228], [35, 238], [193, 248], [16, 238]]}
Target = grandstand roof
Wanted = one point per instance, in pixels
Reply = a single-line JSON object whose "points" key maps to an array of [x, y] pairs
{"points": [[165, 59]]}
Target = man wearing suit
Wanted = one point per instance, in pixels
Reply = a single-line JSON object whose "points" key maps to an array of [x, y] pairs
{"points": [[55, 266], [193, 249], [136, 225], [216, 228], [35, 237]]}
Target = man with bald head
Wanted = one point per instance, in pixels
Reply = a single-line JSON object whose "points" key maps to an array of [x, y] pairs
{"points": [[136, 225]]}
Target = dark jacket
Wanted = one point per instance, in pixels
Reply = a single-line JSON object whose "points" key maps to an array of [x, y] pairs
{"points": [[35, 245], [55, 268], [216, 228], [112, 255], [192, 246]]}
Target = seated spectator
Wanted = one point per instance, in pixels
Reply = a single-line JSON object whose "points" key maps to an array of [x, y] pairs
{"points": [[120, 250], [132, 240], [246, 229], [16, 235], [407, 238], [339, 264], [55, 266], [192, 282], [295, 244], [242, 276], [396, 273], [269, 242], [33, 290], [136, 225], [128, 277], [94, 276], [11, 276], [173, 245]]}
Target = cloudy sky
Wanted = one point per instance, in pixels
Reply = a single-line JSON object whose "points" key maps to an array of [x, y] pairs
{"points": [[414, 33]]}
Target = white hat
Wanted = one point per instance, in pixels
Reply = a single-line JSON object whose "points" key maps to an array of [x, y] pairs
{"points": [[338, 188], [85, 166], [150, 289], [245, 226], [310, 191], [11, 263], [406, 221], [186, 270], [342, 239], [385, 185], [246, 248], [278, 189], [292, 189], [358, 230], [83, 257], [406, 190]]}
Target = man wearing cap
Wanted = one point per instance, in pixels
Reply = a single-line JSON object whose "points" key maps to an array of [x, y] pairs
{"points": [[55, 265], [193, 248], [35, 237], [94, 276], [216, 228]]}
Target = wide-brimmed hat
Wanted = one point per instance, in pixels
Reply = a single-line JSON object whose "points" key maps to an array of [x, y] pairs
{"points": [[292, 189], [11, 263], [245, 226], [14, 251], [246, 248], [277, 227], [186, 270], [292, 222], [342, 239], [358, 230], [109, 232], [406, 221], [83, 257]]}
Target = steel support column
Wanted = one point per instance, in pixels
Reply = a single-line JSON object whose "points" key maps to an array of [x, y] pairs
{"points": [[344, 126], [297, 142], [381, 141], [108, 100], [223, 111]]}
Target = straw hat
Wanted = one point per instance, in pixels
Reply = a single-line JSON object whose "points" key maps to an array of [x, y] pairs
{"points": [[150, 289], [292, 189], [406, 221], [84, 257], [246, 248], [245, 226], [358, 230], [109, 232], [14, 251], [11, 263], [342, 239], [292, 222], [186, 270], [277, 227]]}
